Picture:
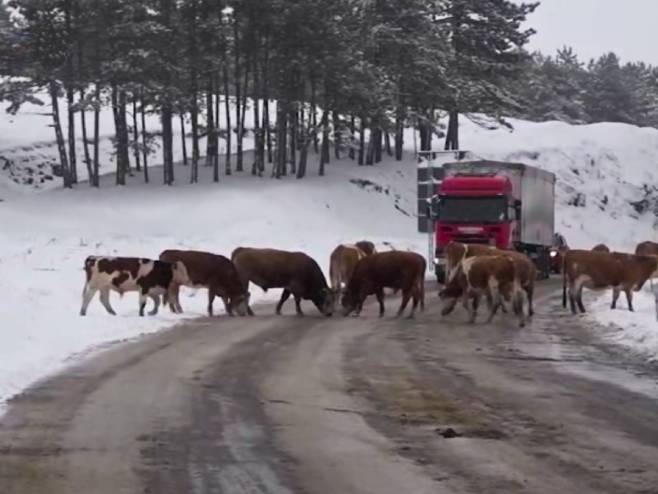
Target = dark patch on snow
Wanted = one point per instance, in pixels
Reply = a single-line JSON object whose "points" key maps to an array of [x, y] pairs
{"points": [[369, 186], [579, 200]]}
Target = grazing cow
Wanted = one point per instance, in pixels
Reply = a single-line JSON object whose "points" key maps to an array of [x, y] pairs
{"points": [[367, 247], [603, 270], [600, 248], [647, 248], [341, 265], [214, 272], [395, 269], [295, 272], [494, 276], [525, 269], [124, 274]]}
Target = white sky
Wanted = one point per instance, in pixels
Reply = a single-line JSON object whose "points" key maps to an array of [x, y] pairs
{"points": [[593, 27]]}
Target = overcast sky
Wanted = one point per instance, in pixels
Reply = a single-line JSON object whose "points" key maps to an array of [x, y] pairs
{"points": [[592, 27]]}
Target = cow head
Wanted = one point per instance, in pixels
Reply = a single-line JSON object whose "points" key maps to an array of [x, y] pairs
{"points": [[349, 301], [450, 295], [327, 301], [240, 303]]}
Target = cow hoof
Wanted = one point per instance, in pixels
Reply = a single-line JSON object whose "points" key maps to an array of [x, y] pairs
{"points": [[83, 313]]}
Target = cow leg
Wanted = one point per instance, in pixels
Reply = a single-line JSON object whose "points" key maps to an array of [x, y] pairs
{"points": [[495, 299], [579, 299], [298, 307], [380, 298], [517, 304], [142, 303], [406, 295], [473, 309], [415, 298], [211, 299], [629, 299], [284, 296], [530, 293], [87, 294], [615, 297], [105, 300], [156, 302], [572, 298], [179, 307]]}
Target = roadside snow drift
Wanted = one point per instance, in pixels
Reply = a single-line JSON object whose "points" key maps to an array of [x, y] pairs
{"points": [[606, 176]]}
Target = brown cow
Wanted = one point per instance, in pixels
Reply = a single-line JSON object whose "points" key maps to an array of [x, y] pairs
{"points": [[342, 262], [395, 269], [125, 274], [647, 248], [600, 248], [525, 268], [493, 276], [214, 272], [603, 270], [295, 272]]}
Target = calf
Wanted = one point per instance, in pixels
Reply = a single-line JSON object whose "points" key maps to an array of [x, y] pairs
{"points": [[603, 270], [600, 248], [124, 274], [494, 276], [214, 272], [342, 262], [295, 272], [395, 269]]}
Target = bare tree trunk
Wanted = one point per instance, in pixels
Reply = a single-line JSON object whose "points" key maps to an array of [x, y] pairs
{"points": [[314, 115], [144, 138], [217, 119], [227, 107], [293, 142], [452, 136], [337, 135], [353, 136], [194, 117], [324, 154], [70, 107], [281, 138], [266, 116], [61, 146], [121, 131], [182, 138], [378, 144], [362, 141], [303, 152], [258, 166], [210, 122], [399, 136], [387, 141], [97, 113], [85, 142], [166, 116], [138, 165]]}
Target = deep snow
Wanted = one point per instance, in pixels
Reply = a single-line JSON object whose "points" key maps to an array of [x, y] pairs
{"points": [[46, 236]]}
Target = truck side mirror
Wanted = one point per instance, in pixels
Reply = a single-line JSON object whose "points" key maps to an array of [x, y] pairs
{"points": [[433, 207]]}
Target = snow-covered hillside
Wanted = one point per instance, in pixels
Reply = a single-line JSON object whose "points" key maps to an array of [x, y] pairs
{"points": [[604, 171]]}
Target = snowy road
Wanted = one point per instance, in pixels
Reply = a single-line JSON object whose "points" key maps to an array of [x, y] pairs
{"points": [[316, 405]]}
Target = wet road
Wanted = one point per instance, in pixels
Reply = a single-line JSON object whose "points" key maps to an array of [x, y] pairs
{"points": [[315, 405]]}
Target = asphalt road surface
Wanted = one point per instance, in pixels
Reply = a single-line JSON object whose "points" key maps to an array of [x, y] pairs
{"points": [[344, 405]]}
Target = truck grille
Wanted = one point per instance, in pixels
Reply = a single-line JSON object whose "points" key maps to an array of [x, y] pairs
{"points": [[471, 239]]}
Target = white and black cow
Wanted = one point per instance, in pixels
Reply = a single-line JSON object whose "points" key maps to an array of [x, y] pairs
{"points": [[125, 274]]}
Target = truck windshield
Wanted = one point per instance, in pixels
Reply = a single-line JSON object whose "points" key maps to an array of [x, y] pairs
{"points": [[472, 209]]}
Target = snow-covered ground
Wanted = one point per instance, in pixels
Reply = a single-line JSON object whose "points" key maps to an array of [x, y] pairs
{"points": [[602, 169]]}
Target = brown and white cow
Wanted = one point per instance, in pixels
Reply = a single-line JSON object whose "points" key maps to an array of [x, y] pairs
{"points": [[600, 248], [603, 270], [297, 273], [214, 272], [125, 274], [395, 269], [342, 262], [525, 269], [367, 247], [492, 276]]}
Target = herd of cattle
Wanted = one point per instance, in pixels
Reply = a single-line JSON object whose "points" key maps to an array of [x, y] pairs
{"points": [[358, 270]]}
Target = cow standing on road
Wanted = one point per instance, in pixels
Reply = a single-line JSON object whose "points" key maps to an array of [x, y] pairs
{"points": [[343, 260], [395, 269], [214, 272], [494, 277], [297, 273], [603, 270], [124, 274]]}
